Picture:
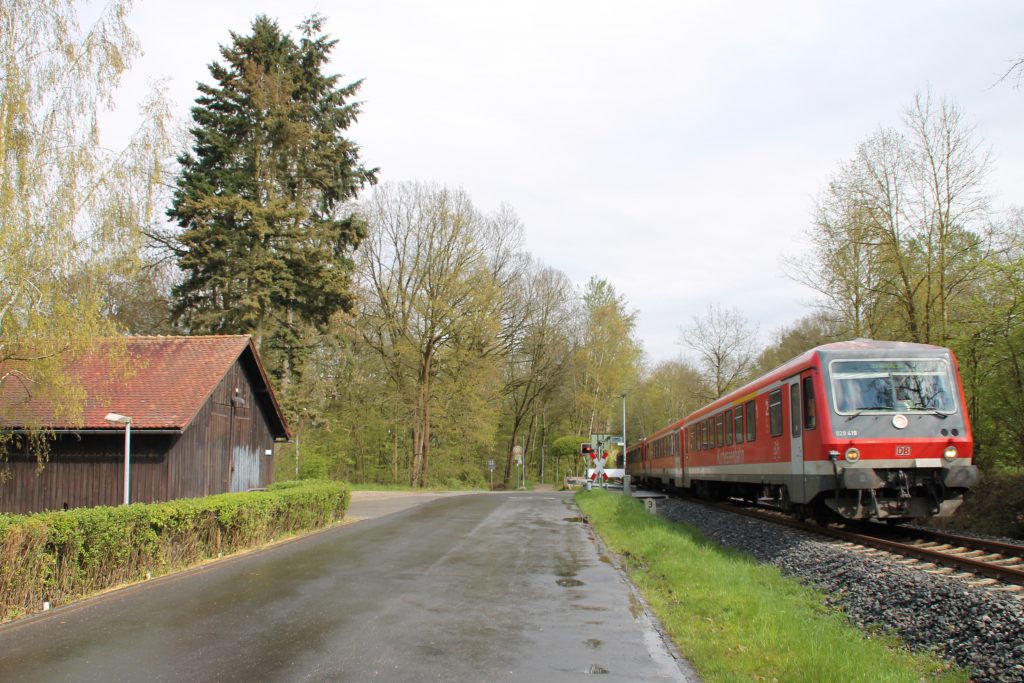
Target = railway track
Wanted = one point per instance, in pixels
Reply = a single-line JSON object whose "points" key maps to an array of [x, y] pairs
{"points": [[997, 562]]}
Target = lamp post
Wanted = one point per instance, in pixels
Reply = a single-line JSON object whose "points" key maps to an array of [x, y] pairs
{"points": [[115, 418], [623, 397]]}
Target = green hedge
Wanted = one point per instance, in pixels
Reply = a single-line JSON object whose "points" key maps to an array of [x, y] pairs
{"points": [[64, 555]]}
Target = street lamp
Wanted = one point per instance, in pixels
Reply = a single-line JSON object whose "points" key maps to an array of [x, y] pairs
{"points": [[623, 397], [115, 418]]}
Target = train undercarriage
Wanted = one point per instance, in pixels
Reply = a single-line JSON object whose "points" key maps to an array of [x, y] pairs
{"points": [[890, 494]]}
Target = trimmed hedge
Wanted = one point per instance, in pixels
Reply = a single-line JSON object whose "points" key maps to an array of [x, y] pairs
{"points": [[61, 556]]}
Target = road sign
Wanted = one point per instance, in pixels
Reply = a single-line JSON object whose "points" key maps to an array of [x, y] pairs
{"points": [[490, 465], [517, 453]]}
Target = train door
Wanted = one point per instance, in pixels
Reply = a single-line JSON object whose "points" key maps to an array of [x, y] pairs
{"points": [[796, 441]]}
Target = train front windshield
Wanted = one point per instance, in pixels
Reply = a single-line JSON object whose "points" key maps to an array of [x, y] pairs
{"points": [[901, 386]]}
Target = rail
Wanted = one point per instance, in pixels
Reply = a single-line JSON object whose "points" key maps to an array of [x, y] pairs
{"points": [[993, 559]]}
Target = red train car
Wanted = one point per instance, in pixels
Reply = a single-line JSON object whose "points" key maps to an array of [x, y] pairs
{"points": [[860, 430]]}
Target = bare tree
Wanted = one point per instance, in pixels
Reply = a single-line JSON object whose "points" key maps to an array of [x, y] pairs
{"points": [[726, 347], [540, 345], [950, 167], [901, 228], [1015, 72], [431, 274]]}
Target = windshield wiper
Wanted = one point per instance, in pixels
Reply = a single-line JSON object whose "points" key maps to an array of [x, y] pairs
{"points": [[865, 409]]}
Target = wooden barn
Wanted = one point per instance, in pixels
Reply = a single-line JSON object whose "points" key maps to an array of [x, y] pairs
{"points": [[204, 420]]}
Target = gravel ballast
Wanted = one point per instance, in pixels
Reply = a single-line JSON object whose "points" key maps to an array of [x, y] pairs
{"points": [[982, 630]]}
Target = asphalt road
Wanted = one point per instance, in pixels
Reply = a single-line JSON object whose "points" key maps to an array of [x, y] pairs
{"points": [[489, 587]]}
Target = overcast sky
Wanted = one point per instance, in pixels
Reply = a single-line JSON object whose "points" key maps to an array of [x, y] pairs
{"points": [[673, 148]]}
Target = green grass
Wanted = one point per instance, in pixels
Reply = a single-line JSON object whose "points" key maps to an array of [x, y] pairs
{"points": [[737, 620]]}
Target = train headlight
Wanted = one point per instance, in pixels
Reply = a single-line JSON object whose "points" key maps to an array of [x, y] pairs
{"points": [[950, 453], [852, 455]]}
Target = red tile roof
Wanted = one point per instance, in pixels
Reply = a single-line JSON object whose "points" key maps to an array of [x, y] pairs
{"points": [[167, 381]]}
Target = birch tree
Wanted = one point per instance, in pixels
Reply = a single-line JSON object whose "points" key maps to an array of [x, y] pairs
{"points": [[607, 357], [71, 210]]}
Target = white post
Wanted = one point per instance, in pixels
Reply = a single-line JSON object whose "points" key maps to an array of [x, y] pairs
{"points": [[127, 459], [623, 431], [118, 419]]}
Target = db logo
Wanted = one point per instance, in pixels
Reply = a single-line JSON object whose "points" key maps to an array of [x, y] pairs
{"points": [[903, 451]]}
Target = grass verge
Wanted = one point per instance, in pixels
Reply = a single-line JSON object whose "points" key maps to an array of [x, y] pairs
{"points": [[735, 619]]}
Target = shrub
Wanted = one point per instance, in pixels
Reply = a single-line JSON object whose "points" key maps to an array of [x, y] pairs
{"points": [[63, 555], [995, 506]]}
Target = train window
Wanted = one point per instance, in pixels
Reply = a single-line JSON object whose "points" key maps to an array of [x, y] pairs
{"points": [[692, 436], [702, 437], [719, 430], [794, 409], [775, 425], [810, 416], [750, 418], [728, 428], [711, 432], [738, 423]]}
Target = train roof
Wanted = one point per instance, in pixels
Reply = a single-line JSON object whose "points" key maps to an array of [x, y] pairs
{"points": [[852, 348], [664, 430]]}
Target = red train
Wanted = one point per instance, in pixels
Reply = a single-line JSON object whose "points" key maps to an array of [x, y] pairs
{"points": [[860, 430]]}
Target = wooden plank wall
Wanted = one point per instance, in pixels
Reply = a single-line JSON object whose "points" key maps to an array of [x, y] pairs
{"points": [[84, 472], [201, 462]]}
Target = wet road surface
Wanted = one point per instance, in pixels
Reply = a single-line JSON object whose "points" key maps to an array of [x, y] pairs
{"points": [[488, 587]]}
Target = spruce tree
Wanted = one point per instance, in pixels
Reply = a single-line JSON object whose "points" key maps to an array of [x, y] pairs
{"points": [[261, 196]]}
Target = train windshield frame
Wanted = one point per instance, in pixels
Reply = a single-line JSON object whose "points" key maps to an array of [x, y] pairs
{"points": [[889, 385]]}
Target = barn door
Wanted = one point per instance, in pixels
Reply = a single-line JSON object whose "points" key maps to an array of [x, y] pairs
{"points": [[245, 458], [245, 469], [796, 441]]}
